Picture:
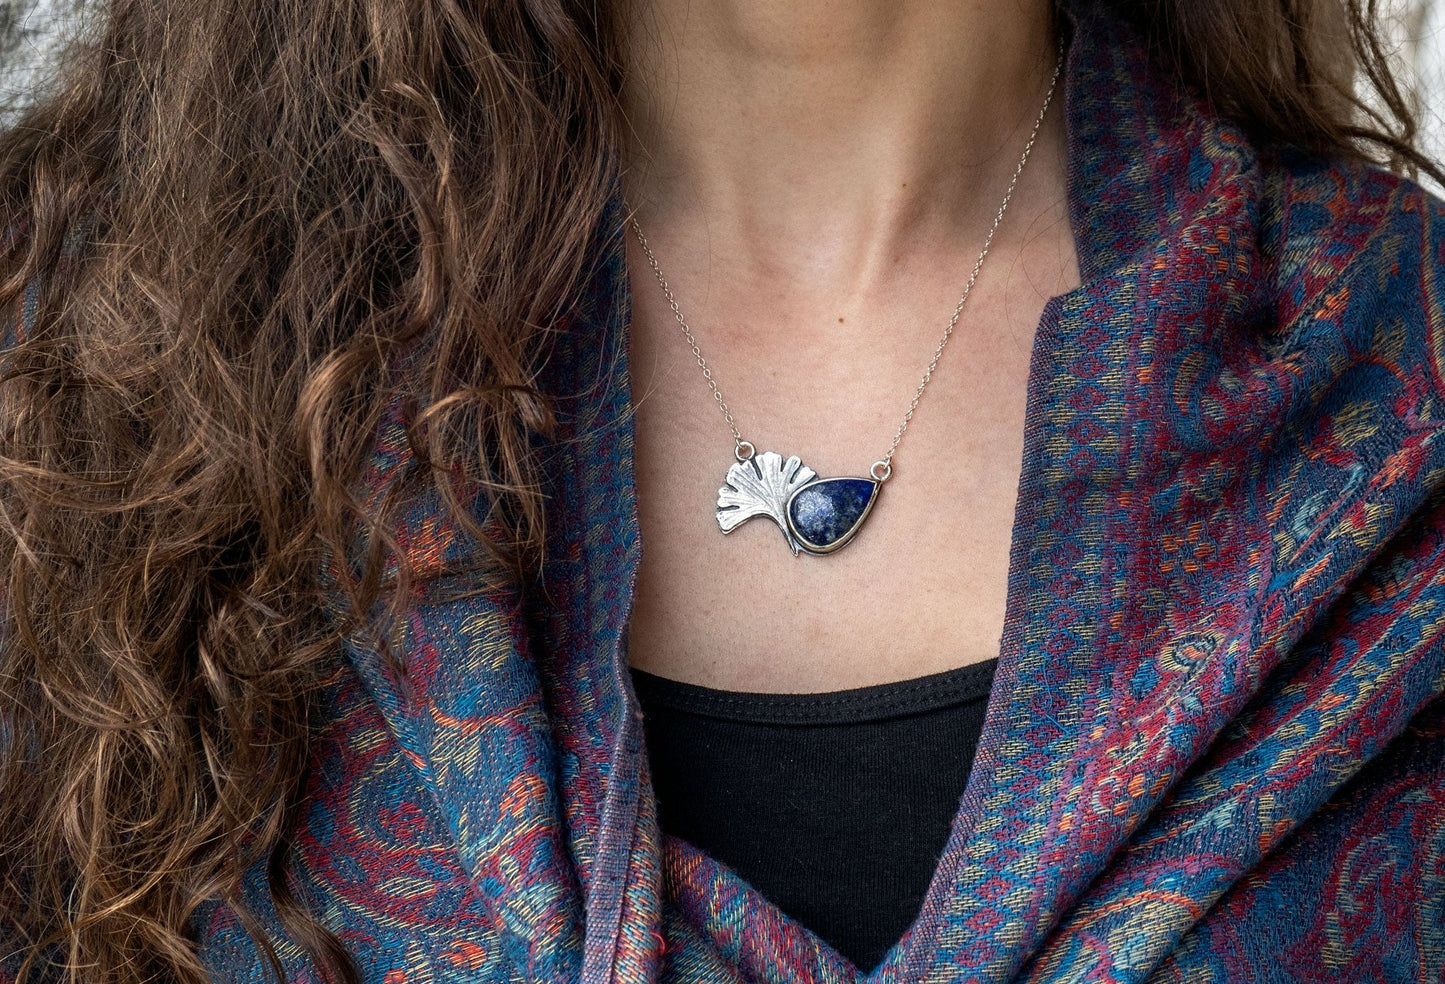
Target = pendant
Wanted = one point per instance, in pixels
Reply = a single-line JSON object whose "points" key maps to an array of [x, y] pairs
{"points": [[816, 515]]}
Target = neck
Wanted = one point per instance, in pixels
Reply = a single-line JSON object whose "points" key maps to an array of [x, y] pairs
{"points": [[806, 123]]}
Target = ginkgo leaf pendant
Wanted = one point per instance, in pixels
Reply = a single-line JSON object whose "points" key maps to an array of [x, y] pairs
{"points": [[816, 515]]}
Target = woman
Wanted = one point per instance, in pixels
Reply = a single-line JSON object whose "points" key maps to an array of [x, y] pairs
{"points": [[358, 348]]}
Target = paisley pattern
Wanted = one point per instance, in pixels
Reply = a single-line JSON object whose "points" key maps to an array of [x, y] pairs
{"points": [[1215, 746]]}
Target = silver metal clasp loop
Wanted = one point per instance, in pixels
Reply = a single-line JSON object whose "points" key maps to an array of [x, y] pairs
{"points": [[744, 451], [881, 471]]}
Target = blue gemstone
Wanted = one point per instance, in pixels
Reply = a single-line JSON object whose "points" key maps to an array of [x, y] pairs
{"points": [[825, 513]]}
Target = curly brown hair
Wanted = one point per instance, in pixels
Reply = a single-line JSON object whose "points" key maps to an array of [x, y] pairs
{"points": [[228, 227]]}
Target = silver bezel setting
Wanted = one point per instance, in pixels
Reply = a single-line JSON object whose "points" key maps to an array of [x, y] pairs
{"points": [[846, 538]]}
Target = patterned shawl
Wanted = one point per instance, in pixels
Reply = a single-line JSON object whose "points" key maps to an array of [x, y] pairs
{"points": [[1215, 747]]}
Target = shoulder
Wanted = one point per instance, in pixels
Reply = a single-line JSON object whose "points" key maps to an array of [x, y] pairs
{"points": [[1351, 248]]}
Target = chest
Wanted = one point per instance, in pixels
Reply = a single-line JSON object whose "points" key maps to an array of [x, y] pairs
{"points": [[923, 586]]}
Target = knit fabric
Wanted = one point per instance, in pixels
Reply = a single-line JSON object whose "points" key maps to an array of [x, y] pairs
{"points": [[1215, 748]]}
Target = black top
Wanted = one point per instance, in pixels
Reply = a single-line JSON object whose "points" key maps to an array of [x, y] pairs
{"points": [[835, 806]]}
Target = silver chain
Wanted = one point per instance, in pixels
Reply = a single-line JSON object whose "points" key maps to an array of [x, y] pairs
{"points": [[697, 352], [882, 469]]}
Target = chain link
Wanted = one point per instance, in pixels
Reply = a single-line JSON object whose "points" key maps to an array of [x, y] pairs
{"points": [[739, 444], [882, 469]]}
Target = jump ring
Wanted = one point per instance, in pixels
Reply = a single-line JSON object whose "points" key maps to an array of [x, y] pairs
{"points": [[745, 451], [881, 471]]}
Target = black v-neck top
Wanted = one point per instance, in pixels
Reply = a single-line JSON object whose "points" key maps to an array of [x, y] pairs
{"points": [[835, 806]]}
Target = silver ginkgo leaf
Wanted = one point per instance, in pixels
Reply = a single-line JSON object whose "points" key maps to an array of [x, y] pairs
{"points": [[760, 486]]}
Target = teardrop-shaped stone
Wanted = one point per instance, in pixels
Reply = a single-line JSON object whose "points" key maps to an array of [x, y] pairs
{"points": [[824, 515]]}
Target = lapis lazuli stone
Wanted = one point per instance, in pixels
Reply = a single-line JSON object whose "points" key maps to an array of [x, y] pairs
{"points": [[825, 514]]}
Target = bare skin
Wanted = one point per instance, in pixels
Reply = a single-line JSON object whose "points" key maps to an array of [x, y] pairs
{"points": [[817, 178]]}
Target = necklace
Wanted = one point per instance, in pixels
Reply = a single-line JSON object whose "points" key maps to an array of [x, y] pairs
{"points": [[820, 515]]}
